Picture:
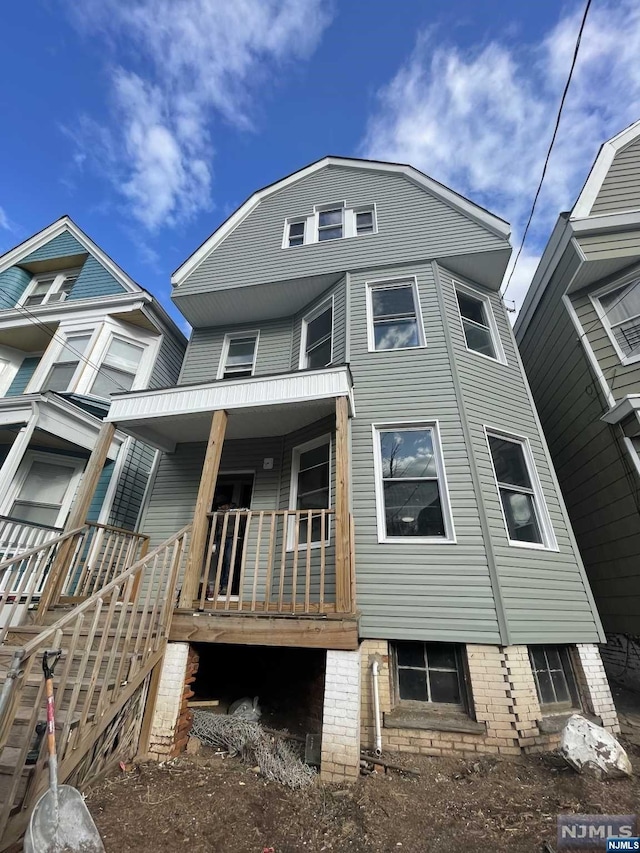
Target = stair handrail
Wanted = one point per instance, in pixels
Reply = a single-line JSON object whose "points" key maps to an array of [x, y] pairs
{"points": [[24, 555]]}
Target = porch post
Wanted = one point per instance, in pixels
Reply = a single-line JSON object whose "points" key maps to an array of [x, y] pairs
{"points": [[16, 454], [343, 537], [200, 527], [77, 517]]}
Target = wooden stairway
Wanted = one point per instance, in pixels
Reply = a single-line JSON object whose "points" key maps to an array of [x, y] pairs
{"points": [[110, 641]]}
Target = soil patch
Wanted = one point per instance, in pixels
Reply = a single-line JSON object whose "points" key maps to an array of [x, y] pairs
{"points": [[207, 803]]}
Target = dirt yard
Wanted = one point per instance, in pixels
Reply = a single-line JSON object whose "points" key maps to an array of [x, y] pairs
{"points": [[211, 803]]}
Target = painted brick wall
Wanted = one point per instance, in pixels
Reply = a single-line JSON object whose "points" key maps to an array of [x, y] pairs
{"points": [[162, 740], [594, 685], [341, 717]]}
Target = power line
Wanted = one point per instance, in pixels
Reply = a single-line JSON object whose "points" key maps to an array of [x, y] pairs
{"points": [[56, 336], [553, 139]]}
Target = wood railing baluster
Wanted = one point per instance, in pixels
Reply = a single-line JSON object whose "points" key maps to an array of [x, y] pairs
{"points": [[256, 566], [307, 577], [243, 559]]}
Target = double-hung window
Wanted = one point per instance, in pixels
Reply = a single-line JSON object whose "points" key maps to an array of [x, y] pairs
{"points": [[296, 231], [118, 369], [365, 221], [411, 490], [394, 316], [523, 506], [478, 324], [71, 355], [620, 312], [429, 672], [554, 677], [311, 487], [48, 288], [317, 337], [238, 355], [330, 224]]}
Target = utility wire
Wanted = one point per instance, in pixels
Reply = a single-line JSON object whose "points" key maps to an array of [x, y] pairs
{"points": [[553, 139], [56, 336]]}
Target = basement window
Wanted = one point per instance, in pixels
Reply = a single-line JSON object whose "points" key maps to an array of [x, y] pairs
{"points": [[554, 678], [429, 672]]}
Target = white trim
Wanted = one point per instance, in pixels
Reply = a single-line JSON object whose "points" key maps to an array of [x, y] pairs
{"points": [[116, 474], [621, 410], [391, 282], [311, 223], [222, 364], [493, 223], [500, 356], [447, 514], [633, 453], [57, 277], [601, 167], [295, 220], [550, 542], [30, 456], [312, 315], [604, 319], [590, 354], [296, 452]]}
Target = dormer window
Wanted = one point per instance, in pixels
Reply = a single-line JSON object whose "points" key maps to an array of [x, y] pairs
{"points": [[47, 288], [330, 222]]}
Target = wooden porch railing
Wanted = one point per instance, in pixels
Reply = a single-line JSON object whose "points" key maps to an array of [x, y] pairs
{"points": [[17, 536], [71, 566], [110, 644], [275, 561]]}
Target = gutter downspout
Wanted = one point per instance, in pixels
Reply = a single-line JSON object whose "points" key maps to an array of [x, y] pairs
{"points": [[375, 672]]}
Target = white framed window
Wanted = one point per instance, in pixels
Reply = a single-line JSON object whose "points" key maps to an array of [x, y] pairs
{"points": [[618, 307], [118, 368], [330, 222], [524, 510], [238, 357], [69, 362], [316, 341], [394, 318], [310, 488], [47, 288], [412, 498], [44, 487], [478, 323]]}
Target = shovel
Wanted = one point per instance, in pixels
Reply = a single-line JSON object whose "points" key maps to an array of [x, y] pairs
{"points": [[60, 821]]}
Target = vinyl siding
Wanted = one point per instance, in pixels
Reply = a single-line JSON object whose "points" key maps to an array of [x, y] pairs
{"points": [[610, 245], [338, 292], [407, 590], [95, 280], [543, 593], [168, 365], [620, 189], [62, 246], [13, 283], [253, 253], [132, 485], [598, 482], [100, 493], [23, 376], [205, 348]]}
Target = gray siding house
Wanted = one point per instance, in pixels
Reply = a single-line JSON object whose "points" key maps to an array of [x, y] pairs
{"points": [[73, 329], [354, 441], [579, 335]]}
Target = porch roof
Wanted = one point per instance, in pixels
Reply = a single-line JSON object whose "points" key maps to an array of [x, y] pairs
{"points": [[257, 406]]}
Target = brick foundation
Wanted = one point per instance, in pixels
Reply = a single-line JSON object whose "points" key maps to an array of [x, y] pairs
{"points": [[503, 697], [171, 720], [341, 718]]}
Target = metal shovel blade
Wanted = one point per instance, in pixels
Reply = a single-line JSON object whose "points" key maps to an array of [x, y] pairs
{"points": [[71, 830]]}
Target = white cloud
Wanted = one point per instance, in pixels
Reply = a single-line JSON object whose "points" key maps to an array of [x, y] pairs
{"points": [[480, 120], [188, 64], [4, 220]]}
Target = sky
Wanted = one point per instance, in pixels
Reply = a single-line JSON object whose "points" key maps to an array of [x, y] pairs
{"points": [[150, 121]]}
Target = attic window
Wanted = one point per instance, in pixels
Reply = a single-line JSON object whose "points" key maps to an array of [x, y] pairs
{"points": [[50, 287], [328, 223], [619, 310], [296, 233]]}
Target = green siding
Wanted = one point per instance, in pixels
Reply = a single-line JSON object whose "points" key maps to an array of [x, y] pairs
{"points": [[22, 377], [62, 246], [94, 281], [166, 369], [620, 189], [13, 283]]}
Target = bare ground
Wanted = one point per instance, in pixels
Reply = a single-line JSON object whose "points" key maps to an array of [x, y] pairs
{"points": [[211, 803]]}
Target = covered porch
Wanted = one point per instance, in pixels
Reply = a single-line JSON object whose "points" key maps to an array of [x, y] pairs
{"points": [[270, 556]]}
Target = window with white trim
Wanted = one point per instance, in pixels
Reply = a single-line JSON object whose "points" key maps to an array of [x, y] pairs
{"points": [[429, 672], [317, 337], [47, 288], [525, 513], [410, 483], [620, 313], [118, 369], [44, 488], [66, 365], [311, 487], [238, 355], [478, 324], [365, 221], [296, 232], [330, 222], [394, 316], [554, 678]]}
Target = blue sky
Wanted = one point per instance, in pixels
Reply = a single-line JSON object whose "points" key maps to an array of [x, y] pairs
{"points": [[149, 121]]}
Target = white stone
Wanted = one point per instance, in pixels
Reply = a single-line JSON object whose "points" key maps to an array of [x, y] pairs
{"points": [[591, 750]]}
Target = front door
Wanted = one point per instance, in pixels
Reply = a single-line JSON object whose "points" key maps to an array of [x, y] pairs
{"points": [[234, 491]]}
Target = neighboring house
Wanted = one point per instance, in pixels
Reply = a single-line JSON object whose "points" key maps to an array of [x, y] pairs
{"points": [[74, 328], [353, 386], [579, 335]]}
